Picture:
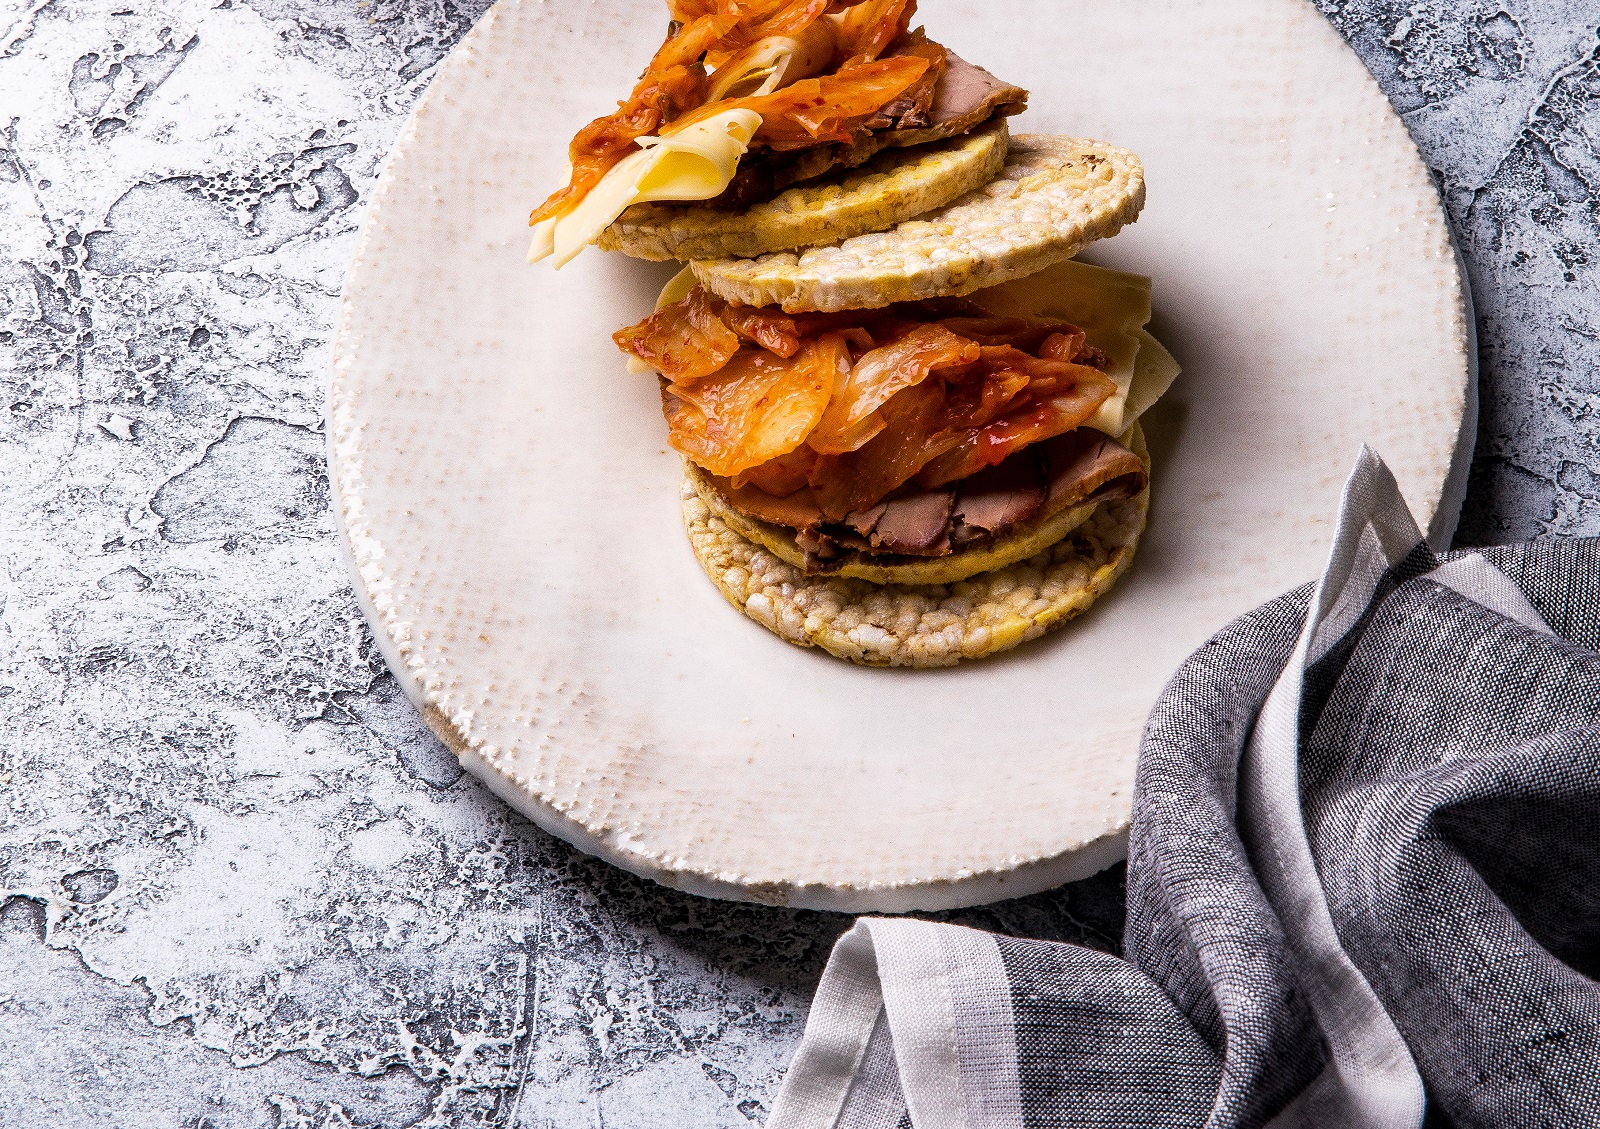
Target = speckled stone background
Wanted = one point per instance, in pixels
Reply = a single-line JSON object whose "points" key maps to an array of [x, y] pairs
{"points": [[240, 885]]}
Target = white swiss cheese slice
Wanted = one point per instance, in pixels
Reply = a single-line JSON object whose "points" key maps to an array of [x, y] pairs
{"points": [[695, 163]]}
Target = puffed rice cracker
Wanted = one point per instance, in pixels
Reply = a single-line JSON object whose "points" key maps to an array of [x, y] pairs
{"points": [[919, 625], [896, 185], [1054, 196]]}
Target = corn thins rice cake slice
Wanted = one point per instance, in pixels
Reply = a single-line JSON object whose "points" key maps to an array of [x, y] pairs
{"points": [[1054, 196], [894, 186], [921, 625]]}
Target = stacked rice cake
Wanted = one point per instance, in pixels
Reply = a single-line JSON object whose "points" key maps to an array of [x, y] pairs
{"points": [[897, 231]]}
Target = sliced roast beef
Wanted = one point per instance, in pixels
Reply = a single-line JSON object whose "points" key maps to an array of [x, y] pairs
{"points": [[1081, 466], [762, 175], [916, 524], [964, 97], [914, 107], [1085, 463], [865, 521], [999, 498], [797, 511]]}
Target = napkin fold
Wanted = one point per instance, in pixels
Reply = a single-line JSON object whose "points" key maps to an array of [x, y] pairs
{"points": [[1363, 883]]}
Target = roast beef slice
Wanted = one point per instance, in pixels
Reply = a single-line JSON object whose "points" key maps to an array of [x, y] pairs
{"points": [[966, 96]]}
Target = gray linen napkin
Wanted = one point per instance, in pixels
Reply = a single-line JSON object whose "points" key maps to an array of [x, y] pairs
{"points": [[1363, 883]]}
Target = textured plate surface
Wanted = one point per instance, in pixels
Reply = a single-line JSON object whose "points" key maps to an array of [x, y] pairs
{"points": [[511, 508]]}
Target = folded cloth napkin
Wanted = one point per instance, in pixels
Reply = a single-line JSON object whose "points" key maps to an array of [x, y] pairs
{"points": [[1363, 883]]}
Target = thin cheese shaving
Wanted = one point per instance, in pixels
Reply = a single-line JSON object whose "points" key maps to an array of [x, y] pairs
{"points": [[695, 163], [1153, 373]]}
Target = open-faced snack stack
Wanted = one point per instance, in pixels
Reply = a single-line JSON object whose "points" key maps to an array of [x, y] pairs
{"points": [[909, 419]]}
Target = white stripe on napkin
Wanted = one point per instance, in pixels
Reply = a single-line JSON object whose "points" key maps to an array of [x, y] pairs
{"points": [[1371, 1082], [954, 1072]]}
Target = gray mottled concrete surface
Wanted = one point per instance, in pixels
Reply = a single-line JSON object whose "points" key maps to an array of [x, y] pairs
{"points": [[239, 883], [1504, 101]]}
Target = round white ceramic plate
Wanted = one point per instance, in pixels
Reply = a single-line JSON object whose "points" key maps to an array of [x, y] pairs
{"points": [[511, 506]]}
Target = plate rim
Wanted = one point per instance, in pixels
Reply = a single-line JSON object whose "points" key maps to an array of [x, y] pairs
{"points": [[966, 888]]}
